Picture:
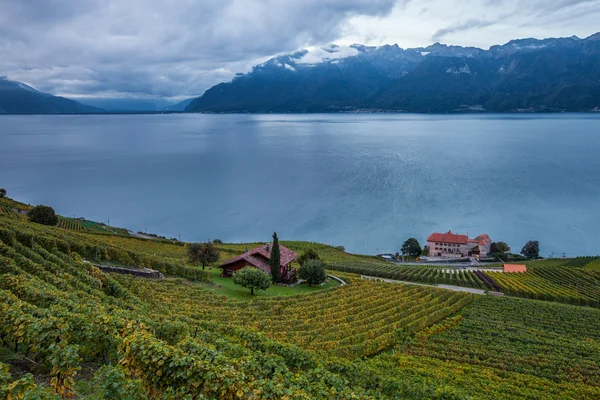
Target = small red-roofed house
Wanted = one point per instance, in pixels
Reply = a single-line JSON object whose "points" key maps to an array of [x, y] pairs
{"points": [[259, 258], [514, 268]]}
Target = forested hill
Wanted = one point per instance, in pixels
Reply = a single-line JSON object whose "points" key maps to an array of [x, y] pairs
{"points": [[523, 75], [19, 98]]}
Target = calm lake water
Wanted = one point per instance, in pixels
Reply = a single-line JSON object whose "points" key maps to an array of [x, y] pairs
{"points": [[366, 182]]}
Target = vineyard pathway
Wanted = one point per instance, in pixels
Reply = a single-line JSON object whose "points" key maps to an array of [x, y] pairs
{"points": [[448, 287]]}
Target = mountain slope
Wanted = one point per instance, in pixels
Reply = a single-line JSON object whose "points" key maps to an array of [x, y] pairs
{"points": [[18, 98], [523, 75]]}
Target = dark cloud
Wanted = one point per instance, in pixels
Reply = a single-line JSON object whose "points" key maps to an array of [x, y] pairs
{"points": [[469, 24], [159, 47]]}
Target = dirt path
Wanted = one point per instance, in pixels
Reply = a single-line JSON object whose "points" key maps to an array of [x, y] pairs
{"points": [[448, 287]]}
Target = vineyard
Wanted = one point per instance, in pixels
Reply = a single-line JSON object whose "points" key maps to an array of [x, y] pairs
{"points": [[6, 211], [423, 274], [562, 284], [577, 282], [71, 224], [589, 262], [349, 322], [67, 330], [521, 336]]}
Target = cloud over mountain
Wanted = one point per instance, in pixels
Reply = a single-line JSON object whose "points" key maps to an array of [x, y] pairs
{"points": [[155, 48]]}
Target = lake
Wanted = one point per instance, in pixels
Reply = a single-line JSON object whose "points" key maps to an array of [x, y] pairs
{"points": [[364, 181]]}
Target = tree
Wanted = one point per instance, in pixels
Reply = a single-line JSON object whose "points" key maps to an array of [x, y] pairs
{"points": [[313, 272], [203, 253], [309, 254], [217, 241], [411, 248], [2, 193], [499, 248], [425, 251], [252, 278], [531, 249], [275, 259], [43, 215]]}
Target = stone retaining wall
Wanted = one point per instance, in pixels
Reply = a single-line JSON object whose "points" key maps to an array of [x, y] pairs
{"points": [[142, 273]]}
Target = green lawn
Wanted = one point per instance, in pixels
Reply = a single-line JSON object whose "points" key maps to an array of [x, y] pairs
{"points": [[227, 287]]}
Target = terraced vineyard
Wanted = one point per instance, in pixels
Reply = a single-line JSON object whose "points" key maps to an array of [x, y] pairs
{"points": [[590, 262], [562, 284], [6, 211], [521, 336], [578, 282], [71, 224], [177, 339], [349, 322], [424, 274]]}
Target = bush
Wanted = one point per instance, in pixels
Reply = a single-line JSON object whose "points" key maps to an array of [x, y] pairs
{"points": [[43, 215], [252, 278], [2, 193], [313, 272], [309, 254]]}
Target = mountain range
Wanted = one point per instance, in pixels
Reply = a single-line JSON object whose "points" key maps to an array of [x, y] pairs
{"points": [[525, 75], [19, 98], [549, 75]]}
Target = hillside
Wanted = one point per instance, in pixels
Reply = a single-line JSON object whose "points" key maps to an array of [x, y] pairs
{"points": [[18, 98], [67, 329], [523, 75]]}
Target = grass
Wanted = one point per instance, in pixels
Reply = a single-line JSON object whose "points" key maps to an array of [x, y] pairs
{"points": [[227, 287]]}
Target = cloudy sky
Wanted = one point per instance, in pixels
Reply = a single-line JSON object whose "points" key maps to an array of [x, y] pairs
{"points": [[179, 48]]}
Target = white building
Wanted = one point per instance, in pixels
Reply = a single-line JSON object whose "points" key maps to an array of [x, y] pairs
{"points": [[452, 245]]}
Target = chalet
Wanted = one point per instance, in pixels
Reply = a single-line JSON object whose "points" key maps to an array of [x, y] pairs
{"points": [[452, 245], [259, 258]]}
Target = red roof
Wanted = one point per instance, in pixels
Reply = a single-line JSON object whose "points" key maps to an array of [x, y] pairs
{"points": [[447, 238], [514, 268], [260, 256]]}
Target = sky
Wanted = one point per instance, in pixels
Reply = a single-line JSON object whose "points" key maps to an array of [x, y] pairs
{"points": [[177, 49]]}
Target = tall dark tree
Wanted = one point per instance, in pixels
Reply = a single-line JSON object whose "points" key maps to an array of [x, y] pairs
{"points": [[531, 249], [203, 253], [411, 248], [2, 193], [275, 259], [43, 215]]}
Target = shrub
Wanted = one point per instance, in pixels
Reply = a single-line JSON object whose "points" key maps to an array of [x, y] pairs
{"points": [[43, 215], [252, 278], [309, 254], [313, 272], [2, 193]]}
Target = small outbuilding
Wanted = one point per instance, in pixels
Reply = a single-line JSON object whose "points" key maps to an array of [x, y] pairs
{"points": [[514, 268]]}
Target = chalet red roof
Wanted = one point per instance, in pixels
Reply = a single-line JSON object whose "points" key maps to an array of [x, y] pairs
{"points": [[448, 238], [260, 256]]}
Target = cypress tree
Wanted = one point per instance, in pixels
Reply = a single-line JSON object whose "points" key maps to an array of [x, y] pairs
{"points": [[275, 259]]}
